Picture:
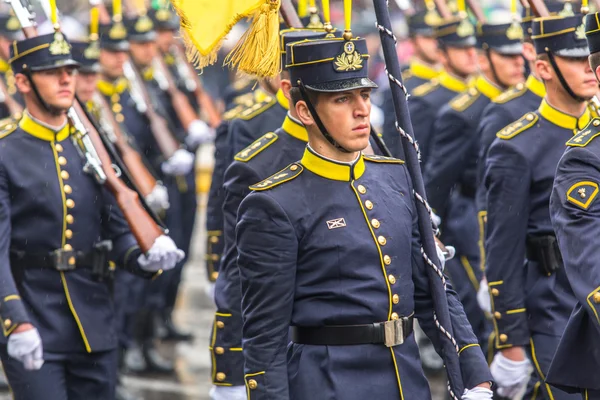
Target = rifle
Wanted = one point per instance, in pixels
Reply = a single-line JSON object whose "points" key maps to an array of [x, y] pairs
{"points": [[194, 85], [477, 10], [98, 162], [14, 108], [443, 9]]}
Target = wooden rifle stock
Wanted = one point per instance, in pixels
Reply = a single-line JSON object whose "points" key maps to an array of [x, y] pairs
{"points": [[289, 14], [539, 8], [184, 110], [207, 105], [443, 9], [477, 10], [144, 180]]}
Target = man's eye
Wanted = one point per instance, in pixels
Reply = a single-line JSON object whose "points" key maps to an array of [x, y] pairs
{"points": [[341, 99], [366, 96]]}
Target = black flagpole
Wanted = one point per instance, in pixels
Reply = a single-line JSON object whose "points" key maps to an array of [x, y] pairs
{"points": [[437, 281]]}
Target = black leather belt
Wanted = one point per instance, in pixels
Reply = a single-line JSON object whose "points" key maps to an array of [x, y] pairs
{"points": [[390, 333]]}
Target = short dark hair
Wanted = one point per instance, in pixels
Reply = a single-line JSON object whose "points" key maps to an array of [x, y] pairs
{"points": [[296, 96], [594, 59]]}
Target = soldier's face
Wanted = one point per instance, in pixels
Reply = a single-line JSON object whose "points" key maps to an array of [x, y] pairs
{"points": [[509, 69], [576, 71], [143, 53], [165, 40], [112, 63], [426, 48], [461, 61], [346, 117], [56, 86], [86, 86]]}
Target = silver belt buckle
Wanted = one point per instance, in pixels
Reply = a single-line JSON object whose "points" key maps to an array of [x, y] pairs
{"points": [[393, 332]]}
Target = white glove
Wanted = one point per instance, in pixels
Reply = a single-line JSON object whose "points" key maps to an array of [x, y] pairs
{"points": [[163, 254], [436, 219], [228, 393], [510, 376], [443, 256], [158, 199], [199, 133], [180, 163], [483, 296], [478, 393], [209, 290], [27, 347]]}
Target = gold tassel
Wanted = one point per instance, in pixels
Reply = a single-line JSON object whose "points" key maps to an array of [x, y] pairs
{"points": [[257, 53]]}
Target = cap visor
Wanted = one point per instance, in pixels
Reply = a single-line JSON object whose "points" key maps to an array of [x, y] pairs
{"points": [[578, 52], [90, 69], [343, 85], [115, 46], [56, 64], [145, 38], [461, 44], [509, 50]]}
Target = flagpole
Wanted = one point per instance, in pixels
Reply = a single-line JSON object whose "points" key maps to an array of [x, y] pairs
{"points": [[437, 280]]}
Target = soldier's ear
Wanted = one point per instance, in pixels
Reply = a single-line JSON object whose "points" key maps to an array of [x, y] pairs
{"points": [[304, 114], [543, 69], [286, 86], [597, 73], [23, 84]]}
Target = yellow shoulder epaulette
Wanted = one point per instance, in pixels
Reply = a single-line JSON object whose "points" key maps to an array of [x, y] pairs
{"points": [[426, 88], [247, 99], [243, 82], [257, 108], [256, 147], [520, 125], [233, 112], [585, 136], [464, 100], [382, 159], [510, 94], [285, 175], [7, 126]]}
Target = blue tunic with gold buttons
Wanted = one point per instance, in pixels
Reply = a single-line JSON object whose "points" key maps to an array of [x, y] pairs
{"points": [[328, 243], [269, 154], [530, 306], [575, 213], [46, 204]]}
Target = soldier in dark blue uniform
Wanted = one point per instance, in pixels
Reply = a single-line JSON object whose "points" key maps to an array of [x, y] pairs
{"points": [[267, 155], [574, 212], [422, 68], [531, 298], [10, 30], [459, 60], [57, 309], [450, 173], [329, 250], [139, 333]]}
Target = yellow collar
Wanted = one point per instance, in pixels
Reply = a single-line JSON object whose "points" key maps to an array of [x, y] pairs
{"points": [[282, 100], [108, 89], [536, 86], [487, 88], [294, 129], [563, 120], [422, 70], [451, 82], [34, 128], [331, 169], [148, 74], [4, 66]]}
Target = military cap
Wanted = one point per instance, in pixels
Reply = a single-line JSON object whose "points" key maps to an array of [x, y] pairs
{"points": [[329, 65], [563, 36], [422, 23], [592, 32], [87, 54], [41, 53], [10, 27], [506, 39], [140, 29], [164, 19], [113, 36], [292, 35], [527, 16], [458, 32]]}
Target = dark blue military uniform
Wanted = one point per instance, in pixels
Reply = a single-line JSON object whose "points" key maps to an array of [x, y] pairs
{"points": [[530, 306], [574, 214], [328, 245], [269, 154]]}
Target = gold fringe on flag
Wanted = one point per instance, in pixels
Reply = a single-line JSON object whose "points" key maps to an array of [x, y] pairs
{"points": [[256, 54]]}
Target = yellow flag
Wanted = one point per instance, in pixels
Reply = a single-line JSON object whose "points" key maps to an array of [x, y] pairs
{"points": [[205, 23]]}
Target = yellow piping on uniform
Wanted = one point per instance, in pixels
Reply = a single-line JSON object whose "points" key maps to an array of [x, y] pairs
{"points": [[539, 370], [536, 389], [397, 373], [246, 381], [467, 346], [469, 270], [12, 297], [481, 217], [518, 310]]}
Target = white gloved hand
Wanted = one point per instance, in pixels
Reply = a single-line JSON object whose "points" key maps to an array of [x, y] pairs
{"points": [[228, 393], [163, 254], [436, 219], [199, 133], [209, 290], [483, 296], [180, 163], [27, 347], [478, 393], [158, 199], [510, 376]]}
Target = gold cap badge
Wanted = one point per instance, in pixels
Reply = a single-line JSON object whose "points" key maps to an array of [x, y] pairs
{"points": [[118, 31], [59, 46], [144, 24], [349, 60]]}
